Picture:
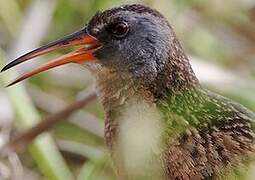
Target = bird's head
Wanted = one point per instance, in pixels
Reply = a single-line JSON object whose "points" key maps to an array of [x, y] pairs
{"points": [[132, 39]]}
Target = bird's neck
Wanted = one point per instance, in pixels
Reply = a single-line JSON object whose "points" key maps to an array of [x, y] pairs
{"points": [[114, 92], [118, 89], [173, 73], [132, 123]]}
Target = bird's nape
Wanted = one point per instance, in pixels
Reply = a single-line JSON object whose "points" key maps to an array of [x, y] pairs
{"points": [[79, 56]]}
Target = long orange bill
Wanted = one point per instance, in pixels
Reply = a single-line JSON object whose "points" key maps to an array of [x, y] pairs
{"points": [[79, 56]]}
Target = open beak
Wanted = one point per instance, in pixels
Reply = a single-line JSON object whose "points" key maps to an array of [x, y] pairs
{"points": [[79, 56]]}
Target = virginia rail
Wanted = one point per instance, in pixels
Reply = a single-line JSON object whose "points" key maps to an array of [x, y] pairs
{"points": [[159, 122]]}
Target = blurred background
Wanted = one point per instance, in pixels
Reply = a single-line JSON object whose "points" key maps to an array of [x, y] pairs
{"points": [[218, 36]]}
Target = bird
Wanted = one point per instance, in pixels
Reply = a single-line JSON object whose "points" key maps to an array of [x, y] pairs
{"points": [[160, 122]]}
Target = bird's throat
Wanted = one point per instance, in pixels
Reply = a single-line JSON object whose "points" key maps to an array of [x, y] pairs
{"points": [[132, 125]]}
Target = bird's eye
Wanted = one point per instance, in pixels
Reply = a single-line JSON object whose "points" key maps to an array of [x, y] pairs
{"points": [[120, 29]]}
